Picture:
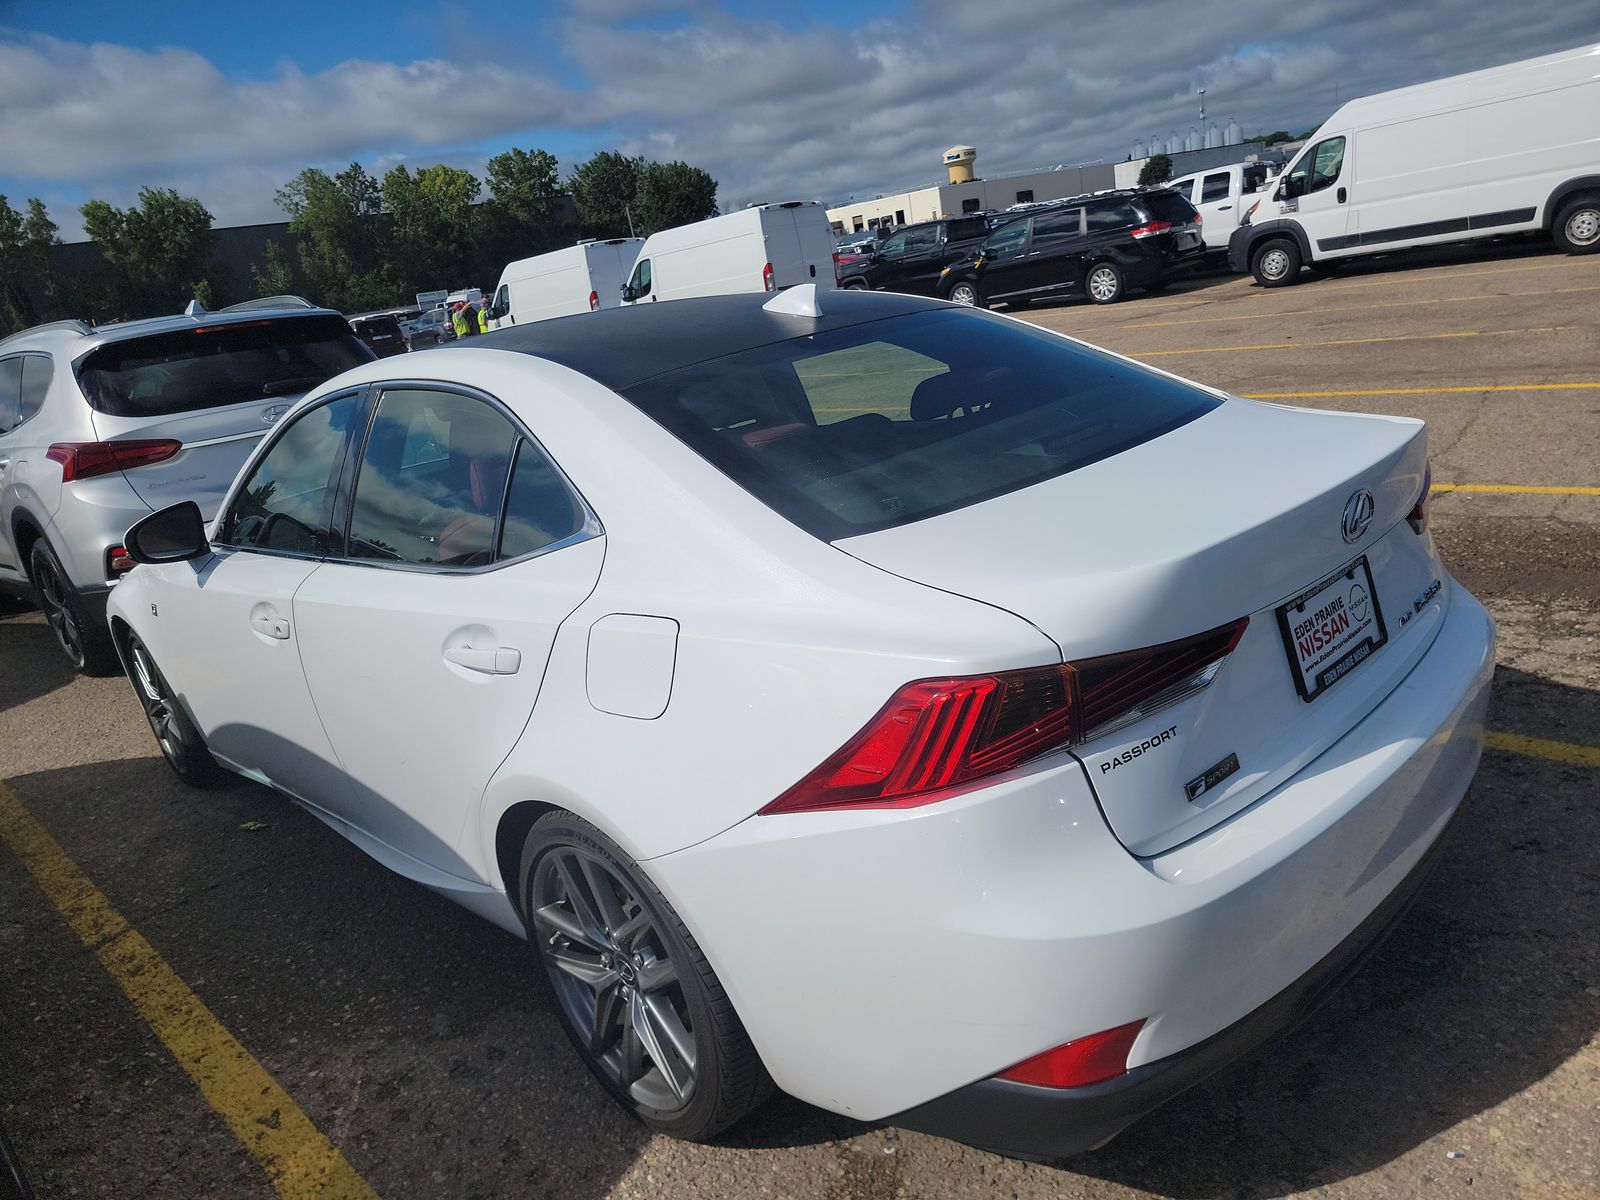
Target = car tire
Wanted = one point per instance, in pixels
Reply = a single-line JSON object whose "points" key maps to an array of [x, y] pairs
{"points": [[964, 293], [854, 285], [1275, 262], [636, 996], [1102, 283], [86, 644], [1577, 226], [181, 744]]}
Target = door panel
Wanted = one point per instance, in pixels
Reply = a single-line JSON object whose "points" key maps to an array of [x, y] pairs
{"points": [[1323, 175], [1005, 260]]}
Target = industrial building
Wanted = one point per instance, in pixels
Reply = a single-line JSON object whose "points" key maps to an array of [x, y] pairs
{"points": [[965, 193]]}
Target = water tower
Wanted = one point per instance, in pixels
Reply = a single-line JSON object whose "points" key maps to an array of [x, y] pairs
{"points": [[1213, 137], [1233, 135], [1192, 142], [1138, 149], [958, 161]]}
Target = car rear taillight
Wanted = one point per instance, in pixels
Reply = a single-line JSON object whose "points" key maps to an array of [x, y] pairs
{"points": [[594, 301], [938, 734], [1417, 518], [118, 562], [1151, 229], [766, 278], [1086, 1060], [85, 460]]}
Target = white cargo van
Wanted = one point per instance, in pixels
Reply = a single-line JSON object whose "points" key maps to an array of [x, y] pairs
{"points": [[1506, 150], [764, 248], [575, 279], [1221, 195]]}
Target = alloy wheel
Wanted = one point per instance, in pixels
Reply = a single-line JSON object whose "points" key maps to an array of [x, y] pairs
{"points": [[605, 951], [58, 610], [963, 293], [157, 704], [1102, 283]]}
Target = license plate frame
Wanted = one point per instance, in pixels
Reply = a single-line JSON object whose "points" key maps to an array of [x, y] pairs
{"points": [[1363, 637]]}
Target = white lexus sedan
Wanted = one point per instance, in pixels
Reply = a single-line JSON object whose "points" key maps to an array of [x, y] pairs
{"points": [[944, 720]]}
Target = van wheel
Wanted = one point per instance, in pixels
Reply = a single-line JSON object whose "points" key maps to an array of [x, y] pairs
{"points": [[1577, 229], [1103, 283], [1275, 262]]}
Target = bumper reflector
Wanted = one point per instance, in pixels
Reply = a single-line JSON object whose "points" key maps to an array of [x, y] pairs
{"points": [[1093, 1059]]}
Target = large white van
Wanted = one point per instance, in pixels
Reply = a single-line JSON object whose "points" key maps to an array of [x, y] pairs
{"points": [[764, 248], [575, 279], [1510, 149]]}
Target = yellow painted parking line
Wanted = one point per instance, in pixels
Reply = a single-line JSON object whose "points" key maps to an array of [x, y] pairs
{"points": [[1426, 391], [1532, 747], [1526, 489], [1401, 337], [301, 1163], [1333, 308]]}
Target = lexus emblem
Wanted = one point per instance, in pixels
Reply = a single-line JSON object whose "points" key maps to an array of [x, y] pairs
{"points": [[270, 414], [1358, 512]]}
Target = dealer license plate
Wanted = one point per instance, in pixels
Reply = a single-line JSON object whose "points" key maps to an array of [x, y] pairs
{"points": [[1331, 628]]}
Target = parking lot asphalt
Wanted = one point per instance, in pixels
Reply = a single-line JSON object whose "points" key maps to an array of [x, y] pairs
{"points": [[414, 1042]]}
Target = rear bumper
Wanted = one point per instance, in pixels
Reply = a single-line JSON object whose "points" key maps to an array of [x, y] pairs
{"points": [[1023, 1121]]}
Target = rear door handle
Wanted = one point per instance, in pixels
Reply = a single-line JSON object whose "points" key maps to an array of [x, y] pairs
{"points": [[1224, 207], [501, 660]]}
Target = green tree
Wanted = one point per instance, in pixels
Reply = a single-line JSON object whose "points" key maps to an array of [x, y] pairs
{"points": [[671, 194], [274, 276], [434, 223], [603, 191], [342, 252], [522, 215], [15, 310], [1158, 169], [154, 253]]}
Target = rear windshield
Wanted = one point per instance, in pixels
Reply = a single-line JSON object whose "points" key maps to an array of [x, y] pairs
{"points": [[1168, 206], [216, 365], [891, 421]]}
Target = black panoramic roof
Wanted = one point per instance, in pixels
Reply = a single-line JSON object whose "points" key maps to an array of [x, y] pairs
{"points": [[620, 347]]}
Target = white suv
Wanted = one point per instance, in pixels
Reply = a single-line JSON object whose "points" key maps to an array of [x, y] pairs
{"points": [[98, 426]]}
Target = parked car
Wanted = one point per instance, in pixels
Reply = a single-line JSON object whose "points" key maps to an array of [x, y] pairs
{"points": [[575, 279], [381, 333], [845, 690], [431, 328], [910, 259], [100, 425], [1510, 149], [1100, 246], [1221, 195], [763, 248]]}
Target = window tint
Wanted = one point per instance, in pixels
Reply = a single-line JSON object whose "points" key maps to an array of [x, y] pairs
{"points": [[920, 241], [881, 424], [215, 365], [1110, 214], [1053, 232], [1168, 206], [284, 503], [640, 283], [432, 478], [1326, 161], [539, 507], [966, 230], [1007, 238], [37, 371], [1215, 187], [893, 247], [10, 393]]}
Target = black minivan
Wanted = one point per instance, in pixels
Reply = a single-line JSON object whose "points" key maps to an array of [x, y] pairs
{"points": [[911, 258], [1101, 245]]}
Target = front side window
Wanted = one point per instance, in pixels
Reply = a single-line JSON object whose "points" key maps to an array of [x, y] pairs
{"points": [[432, 480], [1215, 187], [894, 247], [877, 425], [640, 283], [283, 506], [1326, 161], [1008, 239]]}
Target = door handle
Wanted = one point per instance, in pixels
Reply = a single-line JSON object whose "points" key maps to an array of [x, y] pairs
{"points": [[1341, 195], [502, 660], [1224, 207], [271, 626]]}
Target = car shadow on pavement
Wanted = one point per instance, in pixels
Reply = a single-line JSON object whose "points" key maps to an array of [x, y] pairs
{"points": [[34, 663], [1478, 994]]}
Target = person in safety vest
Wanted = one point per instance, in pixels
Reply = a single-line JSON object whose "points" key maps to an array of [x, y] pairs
{"points": [[459, 321], [483, 316]]}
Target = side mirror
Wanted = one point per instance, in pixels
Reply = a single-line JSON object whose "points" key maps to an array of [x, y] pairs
{"points": [[174, 534], [628, 294], [1292, 187]]}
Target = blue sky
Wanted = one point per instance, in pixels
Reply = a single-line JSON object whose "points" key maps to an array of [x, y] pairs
{"points": [[819, 100]]}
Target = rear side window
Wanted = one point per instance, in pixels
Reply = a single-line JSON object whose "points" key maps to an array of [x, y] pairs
{"points": [[1168, 206], [283, 506], [967, 230], [37, 372], [10, 393], [1110, 214], [211, 366], [882, 424]]}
